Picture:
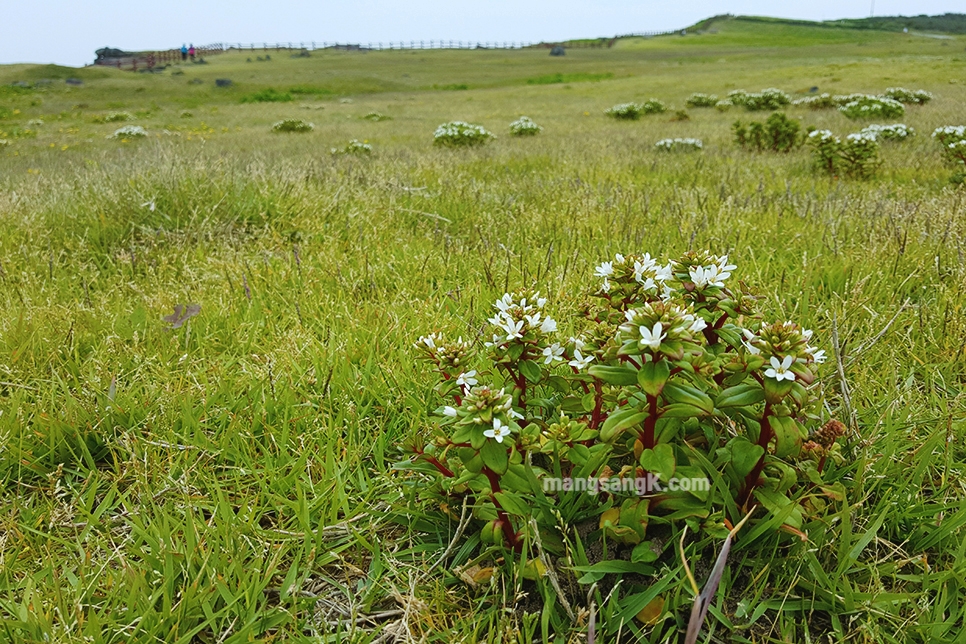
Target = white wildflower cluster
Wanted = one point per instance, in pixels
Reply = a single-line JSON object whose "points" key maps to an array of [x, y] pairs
{"points": [[634, 111], [817, 102], [519, 317], [460, 133], [487, 406], [894, 132], [4, 143], [292, 125], [949, 134], [903, 95], [682, 145], [861, 137], [129, 132], [767, 99], [868, 106], [654, 323], [354, 147], [634, 277], [723, 105], [524, 126], [35, 123], [701, 100], [822, 136], [449, 356], [783, 346]]}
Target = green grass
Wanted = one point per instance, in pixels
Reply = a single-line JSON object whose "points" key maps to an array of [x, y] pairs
{"points": [[230, 480]]}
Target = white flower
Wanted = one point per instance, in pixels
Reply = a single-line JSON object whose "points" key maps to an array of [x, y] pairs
{"points": [[549, 325], [818, 355], [604, 270], [781, 370], [504, 302], [578, 343], [498, 432], [605, 287], [513, 329], [513, 413], [663, 273], [709, 275], [725, 266], [533, 320], [553, 352], [653, 337], [497, 341], [541, 301], [619, 258], [429, 341], [698, 325], [449, 411], [580, 361], [467, 380]]}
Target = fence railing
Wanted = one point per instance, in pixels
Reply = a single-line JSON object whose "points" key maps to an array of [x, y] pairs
{"points": [[155, 59]]}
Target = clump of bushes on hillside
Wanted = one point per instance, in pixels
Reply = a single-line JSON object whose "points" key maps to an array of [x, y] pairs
{"points": [[354, 147], [952, 138], [856, 157], [869, 107], [769, 99], [680, 145], [701, 100], [114, 117], [293, 125], [894, 132], [129, 132], [268, 96], [376, 117], [777, 134], [524, 126], [461, 134], [911, 97], [634, 111]]}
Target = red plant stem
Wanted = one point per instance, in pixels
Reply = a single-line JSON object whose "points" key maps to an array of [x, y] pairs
{"points": [[598, 404], [647, 436], [764, 437], [445, 471], [508, 533]]}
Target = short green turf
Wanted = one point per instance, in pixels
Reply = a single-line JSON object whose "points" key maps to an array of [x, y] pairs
{"points": [[229, 480]]}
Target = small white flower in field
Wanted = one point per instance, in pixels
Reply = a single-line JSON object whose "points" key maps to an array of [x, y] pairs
{"points": [[497, 341], [578, 343], [429, 340], [580, 361], [513, 413], [667, 293], [652, 337], [749, 338], [549, 325], [711, 275], [504, 302], [467, 380], [498, 432], [698, 325], [725, 267], [619, 258], [605, 287], [664, 273], [781, 370], [818, 355], [553, 353], [606, 269], [533, 319], [449, 411], [541, 302], [513, 329]]}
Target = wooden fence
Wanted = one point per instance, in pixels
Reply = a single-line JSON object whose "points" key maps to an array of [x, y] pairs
{"points": [[147, 61]]}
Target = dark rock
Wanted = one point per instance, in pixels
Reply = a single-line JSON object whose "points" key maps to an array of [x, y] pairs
{"points": [[74, 81], [20, 84], [223, 82], [558, 51], [813, 89], [195, 81]]}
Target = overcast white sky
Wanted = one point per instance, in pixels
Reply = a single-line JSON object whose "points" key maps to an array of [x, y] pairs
{"points": [[68, 31]]}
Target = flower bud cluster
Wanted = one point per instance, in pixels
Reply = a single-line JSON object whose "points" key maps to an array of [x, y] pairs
{"points": [[702, 271], [657, 323], [634, 278], [785, 348], [519, 317], [449, 356]]}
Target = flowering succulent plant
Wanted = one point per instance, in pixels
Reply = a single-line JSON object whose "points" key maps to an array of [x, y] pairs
{"points": [[293, 125], [668, 373], [524, 126], [894, 132], [766, 99], [129, 132], [460, 133], [701, 100], [680, 145], [354, 147], [952, 138], [857, 156], [860, 106]]}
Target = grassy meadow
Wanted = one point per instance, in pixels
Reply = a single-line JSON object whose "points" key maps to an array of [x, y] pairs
{"points": [[230, 480]]}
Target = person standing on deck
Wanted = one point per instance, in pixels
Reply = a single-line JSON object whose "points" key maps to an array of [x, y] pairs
{"points": [[184, 52], [191, 53]]}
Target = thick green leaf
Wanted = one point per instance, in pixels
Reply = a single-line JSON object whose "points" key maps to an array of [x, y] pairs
{"points": [[682, 410], [659, 460], [494, 455], [744, 455], [653, 376], [740, 396], [513, 504], [619, 421], [688, 395], [788, 435], [614, 375], [531, 371]]}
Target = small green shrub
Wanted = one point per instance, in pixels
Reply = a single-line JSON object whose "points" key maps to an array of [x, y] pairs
{"points": [[293, 125], [114, 117], [821, 102], [680, 145], [766, 99], [268, 96], [625, 111], [376, 117], [129, 132], [870, 107], [701, 100], [894, 132], [354, 147], [912, 97], [856, 157], [777, 134], [952, 138], [524, 126], [461, 134]]}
